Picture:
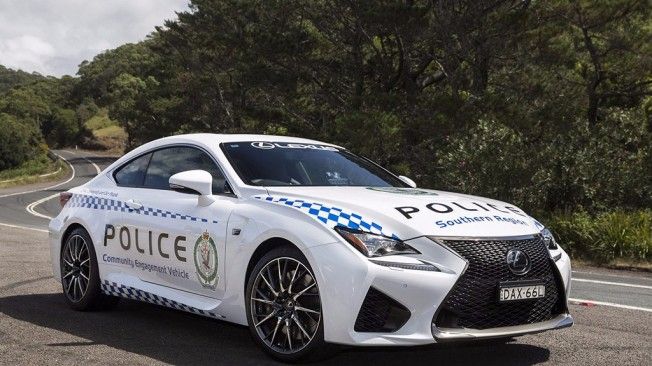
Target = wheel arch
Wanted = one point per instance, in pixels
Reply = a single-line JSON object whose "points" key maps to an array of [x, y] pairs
{"points": [[69, 230], [262, 249]]}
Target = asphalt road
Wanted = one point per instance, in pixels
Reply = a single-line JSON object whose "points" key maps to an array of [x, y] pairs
{"points": [[14, 203], [612, 311]]}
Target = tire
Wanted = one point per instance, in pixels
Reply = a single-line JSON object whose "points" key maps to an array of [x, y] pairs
{"points": [[285, 317], [80, 279]]}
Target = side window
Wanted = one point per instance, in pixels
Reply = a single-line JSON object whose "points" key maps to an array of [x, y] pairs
{"points": [[167, 162], [133, 173]]}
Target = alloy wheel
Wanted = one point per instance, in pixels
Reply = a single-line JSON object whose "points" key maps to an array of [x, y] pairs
{"points": [[285, 305], [75, 268]]}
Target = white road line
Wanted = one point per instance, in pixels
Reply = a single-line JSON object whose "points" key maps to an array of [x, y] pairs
{"points": [[613, 275], [46, 188], [97, 168], [612, 283], [49, 174], [23, 227], [602, 303], [31, 206]]}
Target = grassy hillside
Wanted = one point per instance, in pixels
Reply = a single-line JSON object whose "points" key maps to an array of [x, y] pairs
{"points": [[107, 133]]}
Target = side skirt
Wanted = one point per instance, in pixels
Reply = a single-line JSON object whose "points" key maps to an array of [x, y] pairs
{"points": [[114, 289]]}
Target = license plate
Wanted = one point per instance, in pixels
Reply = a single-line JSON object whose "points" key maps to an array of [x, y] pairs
{"points": [[521, 292]]}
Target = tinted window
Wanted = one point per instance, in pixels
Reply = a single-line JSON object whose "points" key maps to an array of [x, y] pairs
{"points": [[288, 164], [167, 162], [133, 173]]}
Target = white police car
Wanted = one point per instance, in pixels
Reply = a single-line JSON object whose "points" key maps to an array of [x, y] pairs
{"points": [[307, 244]]}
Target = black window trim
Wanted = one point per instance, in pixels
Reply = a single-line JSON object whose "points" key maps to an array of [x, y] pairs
{"points": [[115, 170], [153, 150], [241, 176]]}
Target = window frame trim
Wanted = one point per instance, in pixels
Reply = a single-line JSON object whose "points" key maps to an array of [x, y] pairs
{"points": [[157, 148]]}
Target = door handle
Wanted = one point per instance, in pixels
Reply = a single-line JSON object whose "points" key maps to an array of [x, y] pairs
{"points": [[134, 205]]}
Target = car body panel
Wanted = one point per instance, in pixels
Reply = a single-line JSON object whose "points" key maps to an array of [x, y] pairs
{"points": [[408, 213], [239, 222]]}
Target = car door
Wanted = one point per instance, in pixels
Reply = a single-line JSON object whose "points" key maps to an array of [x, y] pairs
{"points": [[125, 228], [172, 240]]}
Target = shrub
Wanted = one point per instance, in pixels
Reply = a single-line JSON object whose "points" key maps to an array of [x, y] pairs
{"points": [[595, 169], [39, 164], [605, 237]]}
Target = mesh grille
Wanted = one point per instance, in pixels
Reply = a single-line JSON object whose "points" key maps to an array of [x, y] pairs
{"points": [[380, 313], [473, 301]]}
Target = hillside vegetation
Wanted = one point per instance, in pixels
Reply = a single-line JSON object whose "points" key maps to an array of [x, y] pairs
{"points": [[546, 104]]}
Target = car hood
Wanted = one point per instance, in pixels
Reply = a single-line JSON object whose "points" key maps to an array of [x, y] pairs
{"points": [[406, 212]]}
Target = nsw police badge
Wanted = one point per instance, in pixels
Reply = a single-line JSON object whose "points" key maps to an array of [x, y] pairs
{"points": [[205, 255]]}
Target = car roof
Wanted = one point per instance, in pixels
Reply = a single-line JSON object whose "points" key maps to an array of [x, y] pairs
{"points": [[213, 138], [212, 141]]}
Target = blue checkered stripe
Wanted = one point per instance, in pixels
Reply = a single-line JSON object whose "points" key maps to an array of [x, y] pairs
{"points": [[109, 204], [330, 215], [114, 289]]}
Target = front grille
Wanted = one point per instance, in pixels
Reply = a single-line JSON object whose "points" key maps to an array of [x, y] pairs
{"points": [[473, 301], [380, 313]]}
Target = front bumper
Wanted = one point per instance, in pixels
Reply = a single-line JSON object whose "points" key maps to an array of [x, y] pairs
{"points": [[345, 279], [448, 334]]}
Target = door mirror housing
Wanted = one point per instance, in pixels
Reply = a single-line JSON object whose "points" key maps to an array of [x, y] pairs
{"points": [[199, 182], [407, 181]]}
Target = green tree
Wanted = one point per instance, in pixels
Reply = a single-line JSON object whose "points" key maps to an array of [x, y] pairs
{"points": [[10, 78], [18, 141], [543, 103], [62, 128]]}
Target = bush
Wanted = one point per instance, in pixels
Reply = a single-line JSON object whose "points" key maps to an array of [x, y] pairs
{"points": [[603, 168], [605, 237], [19, 142], [39, 164]]}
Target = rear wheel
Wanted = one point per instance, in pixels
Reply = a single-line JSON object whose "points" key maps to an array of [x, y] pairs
{"points": [[80, 275], [284, 307]]}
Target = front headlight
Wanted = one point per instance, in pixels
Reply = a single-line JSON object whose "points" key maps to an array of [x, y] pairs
{"points": [[551, 244], [374, 245], [549, 240]]}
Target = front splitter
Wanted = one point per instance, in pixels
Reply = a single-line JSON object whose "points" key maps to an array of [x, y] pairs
{"points": [[455, 334]]}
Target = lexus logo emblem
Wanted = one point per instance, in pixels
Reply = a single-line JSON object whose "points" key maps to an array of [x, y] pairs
{"points": [[518, 262], [263, 145]]}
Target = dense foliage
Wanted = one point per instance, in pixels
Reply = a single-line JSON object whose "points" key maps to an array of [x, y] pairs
{"points": [[543, 103], [10, 78], [44, 109], [606, 237], [19, 141], [546, 104]]}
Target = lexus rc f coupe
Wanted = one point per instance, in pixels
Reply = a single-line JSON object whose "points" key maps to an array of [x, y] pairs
{"points": [[307, 244]]}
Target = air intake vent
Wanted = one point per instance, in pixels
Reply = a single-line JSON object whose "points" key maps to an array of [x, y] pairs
{"points": [[380, 313]]}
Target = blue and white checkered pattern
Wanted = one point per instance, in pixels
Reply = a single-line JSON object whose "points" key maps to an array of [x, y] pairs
{"points": [[109, 204], [114, 289], [330, 215]]}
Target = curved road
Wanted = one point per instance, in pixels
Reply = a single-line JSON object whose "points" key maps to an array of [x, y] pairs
{"points": [[612, 310], [14, 203]]}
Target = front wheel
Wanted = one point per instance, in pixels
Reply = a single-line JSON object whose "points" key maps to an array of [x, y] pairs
{"points": [[284, 307]]}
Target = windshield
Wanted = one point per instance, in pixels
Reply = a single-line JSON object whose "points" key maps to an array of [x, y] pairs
{"points": [[292, 164]]}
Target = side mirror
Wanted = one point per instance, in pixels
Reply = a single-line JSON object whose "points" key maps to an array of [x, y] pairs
{"points": [[407, 181], [199, 182]]}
